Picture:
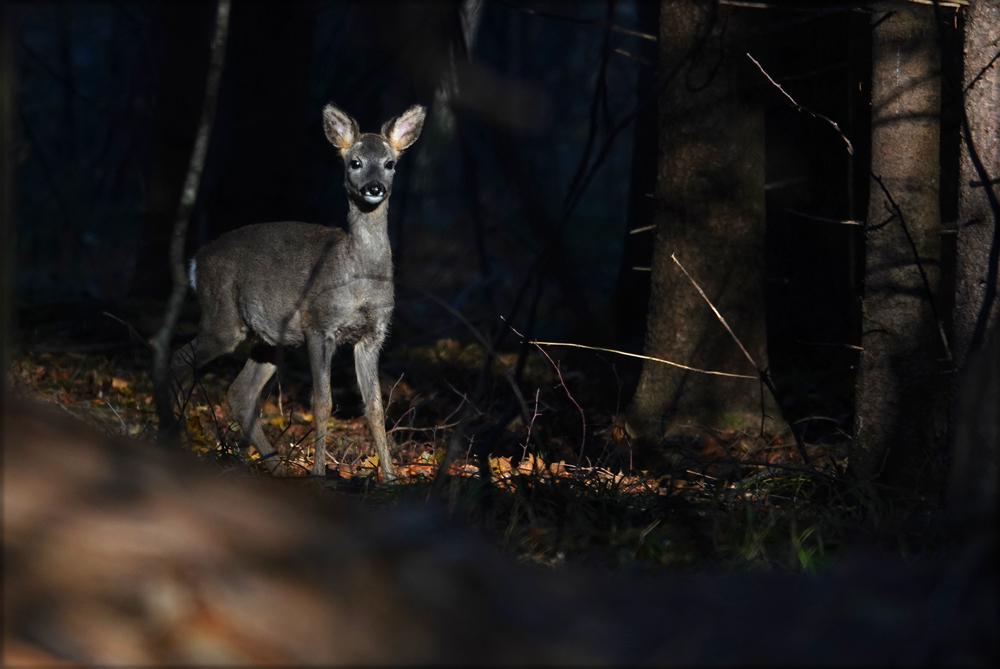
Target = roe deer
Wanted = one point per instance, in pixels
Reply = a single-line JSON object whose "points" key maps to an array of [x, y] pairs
{"points": [[293, 283]]}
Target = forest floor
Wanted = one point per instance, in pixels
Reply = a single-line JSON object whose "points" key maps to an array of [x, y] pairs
{"points": [[570, 487]]}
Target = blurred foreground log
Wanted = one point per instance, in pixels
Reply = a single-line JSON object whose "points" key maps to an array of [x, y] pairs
{"points": [[122, 553]]}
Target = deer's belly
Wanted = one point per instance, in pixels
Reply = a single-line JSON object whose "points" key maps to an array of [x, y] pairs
{"points": [[285, 329], [342, 328]]}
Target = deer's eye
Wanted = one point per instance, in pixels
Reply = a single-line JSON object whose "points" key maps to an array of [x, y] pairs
{"points": [[355, 164], [390, 165]]}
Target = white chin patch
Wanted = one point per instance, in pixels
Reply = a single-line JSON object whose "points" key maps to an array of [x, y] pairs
{"points": [[374, 199]]}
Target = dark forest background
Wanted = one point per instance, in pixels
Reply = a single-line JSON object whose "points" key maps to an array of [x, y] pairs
{"points": [[108, 97]]}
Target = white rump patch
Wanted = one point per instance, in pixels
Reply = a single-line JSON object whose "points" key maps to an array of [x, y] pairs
{"points": [[191, 280]]}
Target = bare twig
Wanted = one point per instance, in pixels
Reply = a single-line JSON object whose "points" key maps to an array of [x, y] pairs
{"points": [[531, 425], [124, 427], [629, 54], [421, 429], [583, 417], [161, 344], [641, 357], [131, 330], [798, 107], [673, 256]]}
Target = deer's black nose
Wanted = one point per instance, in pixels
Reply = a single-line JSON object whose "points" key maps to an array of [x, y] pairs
{"points": [[373, 190]]}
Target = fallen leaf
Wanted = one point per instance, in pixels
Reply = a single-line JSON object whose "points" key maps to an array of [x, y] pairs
{"points": [[499, 465]]}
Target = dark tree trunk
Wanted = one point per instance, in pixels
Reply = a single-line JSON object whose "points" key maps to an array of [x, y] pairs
{"points": [[710, 212], [899, 379], [977, 225], [186, 30], [630, 300], [256, 166]]}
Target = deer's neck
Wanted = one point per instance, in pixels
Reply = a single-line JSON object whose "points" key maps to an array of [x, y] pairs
{"points": [[369, 230]]}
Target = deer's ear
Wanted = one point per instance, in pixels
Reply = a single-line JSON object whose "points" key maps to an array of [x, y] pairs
{"points": [[340, 128], [403, 130]]}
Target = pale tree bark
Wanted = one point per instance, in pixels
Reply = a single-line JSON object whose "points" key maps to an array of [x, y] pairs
{"points": [[710, 212], [977, 229], [898, 396]]}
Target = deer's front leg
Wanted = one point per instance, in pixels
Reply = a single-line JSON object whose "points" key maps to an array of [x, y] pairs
{"points": [[366, 366], [320, 354]]}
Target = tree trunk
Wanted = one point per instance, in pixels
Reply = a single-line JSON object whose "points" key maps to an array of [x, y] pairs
{"points": [[710, 212], [977, 223], [898, 378]]}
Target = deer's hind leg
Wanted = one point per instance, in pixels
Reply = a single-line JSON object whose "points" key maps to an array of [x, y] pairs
{"points": [[210, 343], [244, 403]]}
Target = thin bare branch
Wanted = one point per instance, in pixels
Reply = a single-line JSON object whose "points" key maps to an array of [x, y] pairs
{"points": [[673, 256], [641, 357], [645, 228], [161, 344], [629, 54], [798, 107], [583, 417]]}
